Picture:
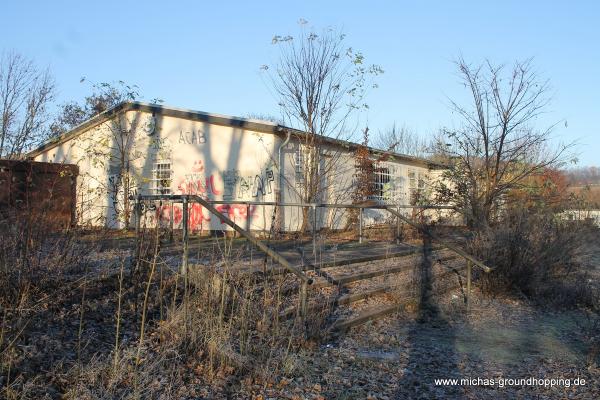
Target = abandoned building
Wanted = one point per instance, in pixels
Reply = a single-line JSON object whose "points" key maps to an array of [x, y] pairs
{"points": [[151, 149]]}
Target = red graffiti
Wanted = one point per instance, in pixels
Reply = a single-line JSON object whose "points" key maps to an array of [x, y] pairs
{"points": [[163, 214], [236, 212], [198, 166], [198, 185], [197, 182], [197, 216]]}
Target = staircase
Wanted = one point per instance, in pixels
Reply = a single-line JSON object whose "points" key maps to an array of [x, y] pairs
{"points": [[350, 288], [360, 290]]}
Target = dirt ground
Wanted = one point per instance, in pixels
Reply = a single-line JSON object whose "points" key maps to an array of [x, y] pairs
{"points": [[500, 339], [401, 356], [397, 357]]}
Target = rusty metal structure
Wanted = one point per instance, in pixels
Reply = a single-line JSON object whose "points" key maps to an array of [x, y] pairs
{"points": [[299, 272], [40, 191]]}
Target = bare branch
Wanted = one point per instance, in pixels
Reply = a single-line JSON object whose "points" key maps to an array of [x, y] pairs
{"points": [[25, 93], [497, 147]]}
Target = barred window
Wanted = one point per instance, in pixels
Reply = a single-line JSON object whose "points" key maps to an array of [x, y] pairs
{"points": [[381, 184], [416, 184], [299, 166], [161, 178], [421, 182], [412, 181]]}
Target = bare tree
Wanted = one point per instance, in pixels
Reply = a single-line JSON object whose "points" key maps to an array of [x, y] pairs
{"points": [[496, 145], [319, 84], [402, 140], [104, 95], [116, 148], [25, 92]]}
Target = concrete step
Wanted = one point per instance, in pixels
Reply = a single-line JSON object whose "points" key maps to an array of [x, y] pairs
{"points": [[375, 312], [369, 314], [359, 293], [346, 279]]}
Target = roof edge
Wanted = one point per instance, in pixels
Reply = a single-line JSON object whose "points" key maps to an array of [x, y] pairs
{"points": [[156, 109], [217, 119]]}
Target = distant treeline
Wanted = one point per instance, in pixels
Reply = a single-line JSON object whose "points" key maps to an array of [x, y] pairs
{"points": [[583, 176]]}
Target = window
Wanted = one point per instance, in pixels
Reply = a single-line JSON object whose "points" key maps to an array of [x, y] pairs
{"points": [[381, 184], [299, 167], [416, 185], [421, 182], [161, 178], [412, 182]]}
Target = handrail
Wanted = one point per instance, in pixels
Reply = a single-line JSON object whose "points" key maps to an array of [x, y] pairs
{"points": [[267, 250], [441, 241], [208, 204], [180, 197], [277, 257]]}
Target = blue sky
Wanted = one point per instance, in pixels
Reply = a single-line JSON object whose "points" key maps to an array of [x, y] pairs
{"points": [[206, 55]]}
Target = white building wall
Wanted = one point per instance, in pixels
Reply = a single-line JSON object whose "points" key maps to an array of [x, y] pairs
{"points": [[216, 162]]}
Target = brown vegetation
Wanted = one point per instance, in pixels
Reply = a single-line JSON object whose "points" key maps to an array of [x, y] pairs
{"points": [[107, 324]]}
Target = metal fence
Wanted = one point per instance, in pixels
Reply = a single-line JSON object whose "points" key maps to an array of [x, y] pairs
{"points": [[305, 280]]}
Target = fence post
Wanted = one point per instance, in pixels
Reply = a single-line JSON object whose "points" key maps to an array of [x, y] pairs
{"points": [[398, 228], [314, 229], [184, 264], [248, 216], [171, 222], [138, 216], [360, 225], [469, 267], [303, 295]]}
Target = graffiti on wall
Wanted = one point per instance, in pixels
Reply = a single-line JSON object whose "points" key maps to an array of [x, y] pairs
{"points": [[196, 182], [199, 185], [192, 137], [199, 218], [239, 186], [159, 144], [232, 185]]}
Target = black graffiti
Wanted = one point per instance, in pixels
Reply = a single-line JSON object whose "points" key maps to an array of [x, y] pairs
{"points": [[263, 186], [231, 179], [192, 137], [158, 143], [237, 186]]}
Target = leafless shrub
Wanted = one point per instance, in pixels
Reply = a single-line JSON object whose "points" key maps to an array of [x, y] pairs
{"points": [[30, 256], [534, 253]]}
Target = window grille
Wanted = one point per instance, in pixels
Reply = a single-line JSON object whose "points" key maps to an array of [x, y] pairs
{"points": [[299, 166], [161, 178], [412, 181], [381, 184]]}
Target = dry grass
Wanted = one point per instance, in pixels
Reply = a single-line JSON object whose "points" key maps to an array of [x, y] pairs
{"points": [[535, 255], [81, 323], [135, 328]]}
